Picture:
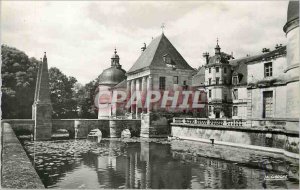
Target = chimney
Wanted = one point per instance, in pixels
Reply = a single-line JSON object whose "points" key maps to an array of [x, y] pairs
{"points": [[206, 55], [265, 50]]}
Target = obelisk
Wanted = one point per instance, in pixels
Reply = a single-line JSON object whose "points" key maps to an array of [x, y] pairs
{"points": [[42, 107]]}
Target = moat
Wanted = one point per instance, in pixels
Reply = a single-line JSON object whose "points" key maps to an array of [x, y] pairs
{"points": [[156, 164]]}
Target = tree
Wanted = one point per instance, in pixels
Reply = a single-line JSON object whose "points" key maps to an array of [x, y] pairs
{"points": [[69, 98], [85, 100], [18, 83], [62, 94]]}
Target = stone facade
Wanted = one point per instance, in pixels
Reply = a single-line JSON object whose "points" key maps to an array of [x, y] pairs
{"points": [[263, 86]]}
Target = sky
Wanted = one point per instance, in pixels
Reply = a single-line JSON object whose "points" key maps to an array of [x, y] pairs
{"points": [[80, 36]]}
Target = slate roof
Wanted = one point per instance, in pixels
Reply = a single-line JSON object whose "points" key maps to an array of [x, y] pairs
{"points": [[223, 57], [199, 78], [239, 66], [293, 11], [112, 76], [122, 84], [264, 56], [152, 57]]}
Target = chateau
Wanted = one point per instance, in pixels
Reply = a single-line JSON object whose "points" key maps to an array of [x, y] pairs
{"points": [[253, 87]]}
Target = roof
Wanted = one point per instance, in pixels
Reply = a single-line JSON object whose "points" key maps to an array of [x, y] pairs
{"points": [[267, 56], [293, 11], [112, 76], [239, 66], [241, 71], [199, 78], [152, 57], [122, 84], [222, 57]]}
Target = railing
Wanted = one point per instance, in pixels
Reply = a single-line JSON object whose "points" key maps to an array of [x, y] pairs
{"points": [[209, 122]]}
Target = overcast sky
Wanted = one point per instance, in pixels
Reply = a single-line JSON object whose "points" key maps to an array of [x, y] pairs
{"points": [[80, 37]]}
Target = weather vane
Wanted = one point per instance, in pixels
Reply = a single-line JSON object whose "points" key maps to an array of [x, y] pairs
{"points": [[162, 27]]}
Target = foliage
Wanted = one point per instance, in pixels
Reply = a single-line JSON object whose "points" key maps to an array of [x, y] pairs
{"points": [[69, 98], [18, 83], [85, 99], [61, 93]]}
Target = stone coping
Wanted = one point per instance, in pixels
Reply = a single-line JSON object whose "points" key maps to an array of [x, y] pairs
{"points": [[17, 170], [236, 128]]}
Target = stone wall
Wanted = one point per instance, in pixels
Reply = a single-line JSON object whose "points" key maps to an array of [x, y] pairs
{"points": [[17, 171], [256, 70], [20, 126], [289, 142], [279, 101]]}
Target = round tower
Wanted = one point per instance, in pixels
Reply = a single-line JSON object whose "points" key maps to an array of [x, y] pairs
{"points": [[291, 28]]}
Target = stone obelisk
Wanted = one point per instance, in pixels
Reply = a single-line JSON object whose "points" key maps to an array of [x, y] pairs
{"points": [[42, 107]]}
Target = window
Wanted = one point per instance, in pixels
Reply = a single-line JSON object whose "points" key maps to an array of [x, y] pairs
{"points": [[235, 111], [268, 69], [217, 69], [209, 81], [225, 70], [209, 109], [175, 79], [225, 97], [217, 80], [234, 80], [162, 83], [235, 94], [209, 70], [209, 93]]}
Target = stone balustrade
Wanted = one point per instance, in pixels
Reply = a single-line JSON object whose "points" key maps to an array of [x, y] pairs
{"points": [[290, 125], [210, 122]]}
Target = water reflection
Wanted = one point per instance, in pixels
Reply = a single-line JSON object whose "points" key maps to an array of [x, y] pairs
{"points": [[116, 164]]}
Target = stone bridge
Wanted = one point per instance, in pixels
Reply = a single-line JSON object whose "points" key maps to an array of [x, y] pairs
{"points": [[108, 127]]}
